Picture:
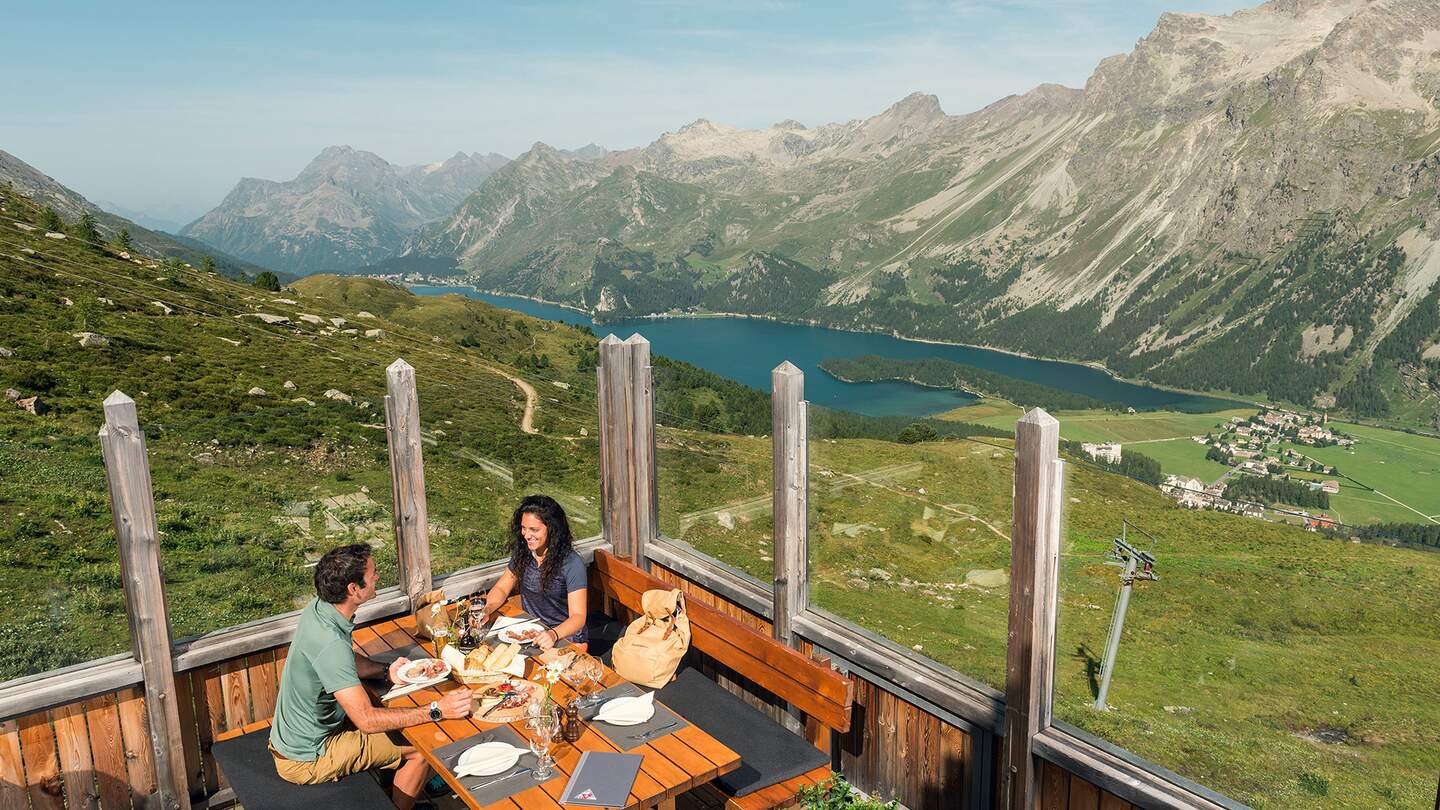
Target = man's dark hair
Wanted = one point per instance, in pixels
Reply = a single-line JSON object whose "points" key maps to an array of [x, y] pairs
{"points": [[338, 568]]}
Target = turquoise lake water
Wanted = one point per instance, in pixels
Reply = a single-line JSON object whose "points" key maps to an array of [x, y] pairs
{"points": [[746, 349]]}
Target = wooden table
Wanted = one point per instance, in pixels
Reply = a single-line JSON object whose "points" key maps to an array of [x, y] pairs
{"points": [[672, 764]]}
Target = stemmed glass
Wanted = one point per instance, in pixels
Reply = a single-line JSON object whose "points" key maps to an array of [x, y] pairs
{"points": [[542, 731], [594, 672]]}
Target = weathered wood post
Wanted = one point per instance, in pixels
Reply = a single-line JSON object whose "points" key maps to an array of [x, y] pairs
{"points": [[1034, 571], [613, 392], [132, 503], [407, 480], [644, 493], [790, 456]]}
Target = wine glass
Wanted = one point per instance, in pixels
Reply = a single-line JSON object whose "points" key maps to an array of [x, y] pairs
{"points": [[542, 732], [593, 671]]}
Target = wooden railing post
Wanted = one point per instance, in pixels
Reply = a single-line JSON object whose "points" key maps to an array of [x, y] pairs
{"points": [[616, 437], [132, 503], [643, 491], [1034, 570], [407, 479], [789, 446]]}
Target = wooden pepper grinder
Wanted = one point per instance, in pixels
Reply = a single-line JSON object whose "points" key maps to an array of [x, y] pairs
{"points": [[571, 727]]}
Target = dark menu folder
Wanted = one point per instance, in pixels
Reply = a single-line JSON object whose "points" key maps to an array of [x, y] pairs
{"points": [[602, 779]]}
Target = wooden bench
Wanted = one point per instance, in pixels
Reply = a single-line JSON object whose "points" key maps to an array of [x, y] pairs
{"points": [[245, 759], [822, 695]]}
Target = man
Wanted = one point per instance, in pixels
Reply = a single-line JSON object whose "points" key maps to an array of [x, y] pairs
{"points": [[320, 691]]}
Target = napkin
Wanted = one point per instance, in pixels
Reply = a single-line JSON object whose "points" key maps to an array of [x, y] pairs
{"points": [[627, 710], [486, 758]]}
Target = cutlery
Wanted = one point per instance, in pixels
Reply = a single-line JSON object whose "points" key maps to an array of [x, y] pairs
{"points": [[652, 732], [500, 779]]}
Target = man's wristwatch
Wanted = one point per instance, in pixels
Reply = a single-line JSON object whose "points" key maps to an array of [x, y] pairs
{"points": [[435, 714]]}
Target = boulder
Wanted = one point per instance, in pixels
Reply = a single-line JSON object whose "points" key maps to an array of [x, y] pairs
{"points": [[11, 395], [363, 314], [289, 301], [289, 386], [374, 333], [349, 331], [124, 254], [67, 302], [270, 319], [339, 396], [167, 359], [91, 340], [106, 301], [27, 250], [33, 406], [165, 308], [22, 226], [4, 352], [258, 392], [304, 400], [338, 322], [315, 319], [54, 235]]}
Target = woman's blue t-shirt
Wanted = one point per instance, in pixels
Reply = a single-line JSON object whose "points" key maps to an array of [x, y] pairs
{"points": [[552, 606]]}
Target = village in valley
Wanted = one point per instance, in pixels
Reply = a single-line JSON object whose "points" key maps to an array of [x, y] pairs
{"points": [[1265, 447]]}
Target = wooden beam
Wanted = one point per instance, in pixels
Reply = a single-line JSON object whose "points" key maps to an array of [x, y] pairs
{"points": [[790, 495], [1102, 765], [1034, 558], [127, 471], [407, 478], [733, 584], [643, 491], [613, 393]]}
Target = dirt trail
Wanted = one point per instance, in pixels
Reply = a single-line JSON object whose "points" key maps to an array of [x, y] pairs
{"points": [[532, 399]]}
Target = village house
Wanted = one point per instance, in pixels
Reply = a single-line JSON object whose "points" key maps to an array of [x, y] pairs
{"points": [[1108, 451]]}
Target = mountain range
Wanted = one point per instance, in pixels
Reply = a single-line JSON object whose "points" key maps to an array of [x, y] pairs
{"points": [[347, 208], [1243, 203], [45, 190]]}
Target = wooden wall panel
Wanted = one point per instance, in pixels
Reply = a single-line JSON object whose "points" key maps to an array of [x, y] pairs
{"points": [[190, 736], [263, 684], [12, 770], [209, 720], [1060, 790], [107, 751], [235, 693], [43, 782], [72, 741], [139, 758]]}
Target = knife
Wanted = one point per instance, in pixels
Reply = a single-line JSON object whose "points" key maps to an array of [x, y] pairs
{"points": [[652, 732], [500, 779]]}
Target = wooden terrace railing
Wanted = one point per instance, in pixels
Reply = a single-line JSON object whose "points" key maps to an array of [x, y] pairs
{"points": [[134, 730]]}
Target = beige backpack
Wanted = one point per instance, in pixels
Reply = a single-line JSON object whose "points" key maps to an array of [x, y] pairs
{"points": [[650, 651]]}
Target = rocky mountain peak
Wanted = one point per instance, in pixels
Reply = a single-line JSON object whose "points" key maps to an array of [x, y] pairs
{"points": [[788, 123]]}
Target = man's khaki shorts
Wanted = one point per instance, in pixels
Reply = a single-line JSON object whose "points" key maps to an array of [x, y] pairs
{"points": [[345, 752]]}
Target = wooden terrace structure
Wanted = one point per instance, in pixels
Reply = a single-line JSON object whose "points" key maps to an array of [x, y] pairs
{"points": [[135, 730]]}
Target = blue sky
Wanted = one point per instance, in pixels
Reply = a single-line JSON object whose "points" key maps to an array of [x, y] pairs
{"points": [[163, 106]]}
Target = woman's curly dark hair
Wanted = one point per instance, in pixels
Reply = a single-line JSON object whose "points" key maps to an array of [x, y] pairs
{"points": [[557, 538]]}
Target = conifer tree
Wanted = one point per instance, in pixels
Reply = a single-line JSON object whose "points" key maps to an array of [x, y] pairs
{"points": [[208, 264], [86, 232], [51, 221], [268, 281], [122, 240]]}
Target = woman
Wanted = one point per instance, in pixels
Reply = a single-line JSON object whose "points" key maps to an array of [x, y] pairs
{"points": [[549, 574]]}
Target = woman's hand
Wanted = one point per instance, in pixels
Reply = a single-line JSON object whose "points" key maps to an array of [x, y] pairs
{"points": [[547, 640]]}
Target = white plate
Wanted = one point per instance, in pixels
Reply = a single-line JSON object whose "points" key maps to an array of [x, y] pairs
{"points": [[405, 671], [619, 704], [484, 750], [508, 636]]}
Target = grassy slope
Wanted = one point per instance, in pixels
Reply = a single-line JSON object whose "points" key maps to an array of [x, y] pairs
{"points": [[1256, 631]]}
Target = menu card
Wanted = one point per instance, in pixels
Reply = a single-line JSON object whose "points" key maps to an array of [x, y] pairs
{"points": [[602, 779]]}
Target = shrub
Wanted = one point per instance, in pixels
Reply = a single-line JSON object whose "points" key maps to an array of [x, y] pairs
{"points": [[836, 794]]}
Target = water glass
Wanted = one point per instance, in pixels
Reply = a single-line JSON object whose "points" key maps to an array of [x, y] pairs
{"points": [[593, 672], [542, 732]]}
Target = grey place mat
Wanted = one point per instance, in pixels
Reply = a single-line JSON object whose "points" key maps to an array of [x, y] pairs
{"points": [[495, 791], [628, 738]]}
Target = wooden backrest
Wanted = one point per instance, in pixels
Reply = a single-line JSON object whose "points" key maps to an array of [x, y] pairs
{"points": [[813, 688]]}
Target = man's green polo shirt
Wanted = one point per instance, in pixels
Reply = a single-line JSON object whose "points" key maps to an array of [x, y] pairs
{"points": [[320, 664]]}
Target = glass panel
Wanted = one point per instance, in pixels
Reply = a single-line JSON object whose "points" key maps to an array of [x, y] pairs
{"points": [[60, 597], [713, 472], [910, 540], [252, 489], [479, 461], [1279, 666]]}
